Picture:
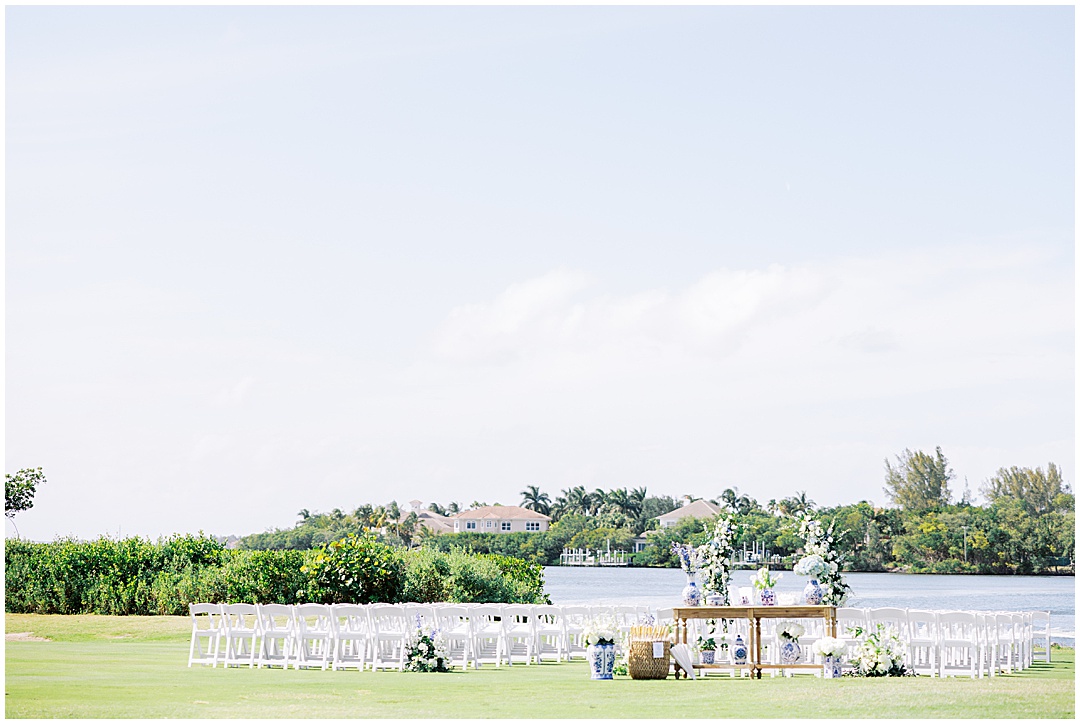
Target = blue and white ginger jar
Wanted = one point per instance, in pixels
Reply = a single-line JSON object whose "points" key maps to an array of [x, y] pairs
{"points": [[738, 651], [601, 661], [813, 594]]}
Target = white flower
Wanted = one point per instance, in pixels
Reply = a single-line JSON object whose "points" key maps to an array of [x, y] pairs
{"points": [[811, 565], [829, 646]]}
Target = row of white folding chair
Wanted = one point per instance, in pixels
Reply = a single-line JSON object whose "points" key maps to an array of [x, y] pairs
{"points": [[942, 643], [347, 635]]}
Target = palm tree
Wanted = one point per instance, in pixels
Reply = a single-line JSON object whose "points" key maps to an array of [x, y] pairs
{"points": [[437, 509], [533, 499], [577, 500], [597, 499], [454, 507], [304, 514], [728, 497]]}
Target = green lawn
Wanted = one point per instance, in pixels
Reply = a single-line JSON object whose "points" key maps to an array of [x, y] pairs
{"points": [[119, 667]]}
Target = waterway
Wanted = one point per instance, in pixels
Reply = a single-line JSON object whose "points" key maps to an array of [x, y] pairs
{"points": [[662, 587]]}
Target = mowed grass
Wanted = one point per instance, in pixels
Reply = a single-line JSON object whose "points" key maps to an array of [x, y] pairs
{"points": [[136, 667]]}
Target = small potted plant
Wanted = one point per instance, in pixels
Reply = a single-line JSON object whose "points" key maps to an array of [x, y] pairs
{"points": [[831, 650], [765, 582], [708, 649]]}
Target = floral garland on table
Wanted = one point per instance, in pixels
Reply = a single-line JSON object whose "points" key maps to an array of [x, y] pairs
{"points": [[715, 556], [822, 560], [878, 652], [425, 650]]}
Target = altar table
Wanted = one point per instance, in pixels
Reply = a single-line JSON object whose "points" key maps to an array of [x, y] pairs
{"points": [[753, 615]]}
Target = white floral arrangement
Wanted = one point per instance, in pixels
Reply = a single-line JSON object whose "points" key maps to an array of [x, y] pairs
{"points": [[811, 566], [765, 579], [878, 652], [821, 543], [790, 630], [425, 650], [714, 558], [600, 630], [829, 646]]}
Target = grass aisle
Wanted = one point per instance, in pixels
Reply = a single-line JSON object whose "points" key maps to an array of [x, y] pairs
{"points": [[116, 667]]}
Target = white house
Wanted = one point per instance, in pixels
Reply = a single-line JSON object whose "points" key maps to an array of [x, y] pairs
{"points": [[500, 519], [701, 509]]}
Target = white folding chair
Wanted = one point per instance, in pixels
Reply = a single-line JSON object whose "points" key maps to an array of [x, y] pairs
{"points": [[548, 625], [959, 647], [349, 623], [574, 619], [1040, 624], [489, 644], [390, 630], [313, 635], [520, 632], [923, 641], [453, 624], [205, 633], [241, 631], [275, 621]]}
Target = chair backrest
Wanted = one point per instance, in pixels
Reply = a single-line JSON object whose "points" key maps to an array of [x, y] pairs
{"points": [[958, 625], [518, 614], [312, 618], [487, 617], [576, 615], [392, 620], [274, 616], [240, 616], [547, 617], [205, 616], [452, 619], [349, 618], [922, 625]]}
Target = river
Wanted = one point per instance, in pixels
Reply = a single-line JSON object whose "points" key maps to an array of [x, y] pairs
{"points": [[662, 587]]}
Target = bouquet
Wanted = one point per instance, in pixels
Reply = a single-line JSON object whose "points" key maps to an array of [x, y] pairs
{"points": [[687, 557], [600, 631], [878, 652], [790, 630], [829, 646], [810, 566], [425, 650], [765, 579]]}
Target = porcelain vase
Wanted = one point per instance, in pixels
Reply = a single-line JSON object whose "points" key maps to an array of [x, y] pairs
{"points": [[832, 667], [813, 594], [767, 597], [691, 594], [601, 661], [738, 651], [790, 651], [708, 657]]}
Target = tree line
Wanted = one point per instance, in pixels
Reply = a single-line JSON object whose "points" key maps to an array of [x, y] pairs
{"points": [[1026, 525]]}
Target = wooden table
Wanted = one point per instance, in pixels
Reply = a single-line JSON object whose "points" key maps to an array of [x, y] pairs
{"points": [[753, 615]]}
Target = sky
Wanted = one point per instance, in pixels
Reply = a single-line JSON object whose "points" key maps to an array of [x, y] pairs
{"points": [[260, 259]]}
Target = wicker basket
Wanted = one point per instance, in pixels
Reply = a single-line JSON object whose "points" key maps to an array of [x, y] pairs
{"points": [[642, 665]]}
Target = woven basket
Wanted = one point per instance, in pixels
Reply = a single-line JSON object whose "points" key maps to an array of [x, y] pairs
{"points": [[642, 665]]}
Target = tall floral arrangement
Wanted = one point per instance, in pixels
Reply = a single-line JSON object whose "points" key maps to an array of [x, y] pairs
{"points": [[687, 556], [715, 556], [822, 558]]}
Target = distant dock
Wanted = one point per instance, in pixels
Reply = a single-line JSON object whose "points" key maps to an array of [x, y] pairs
{"points": [[583, 557]]}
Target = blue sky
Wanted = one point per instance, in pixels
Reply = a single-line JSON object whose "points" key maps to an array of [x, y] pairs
{"points": [[288, 258]]}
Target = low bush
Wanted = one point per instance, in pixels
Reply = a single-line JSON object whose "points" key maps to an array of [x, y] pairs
{"points": [[134, 576]]}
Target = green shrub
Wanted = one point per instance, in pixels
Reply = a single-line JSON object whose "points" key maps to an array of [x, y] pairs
{"points": [[427, 573], [356, 569]]}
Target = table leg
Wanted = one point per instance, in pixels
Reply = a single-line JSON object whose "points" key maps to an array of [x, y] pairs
{"points": [[757, 648]]}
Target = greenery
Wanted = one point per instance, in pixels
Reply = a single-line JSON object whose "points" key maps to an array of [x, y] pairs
{"points": [[134, 576], [1026, 526], [134, 667], [19, 491]]}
